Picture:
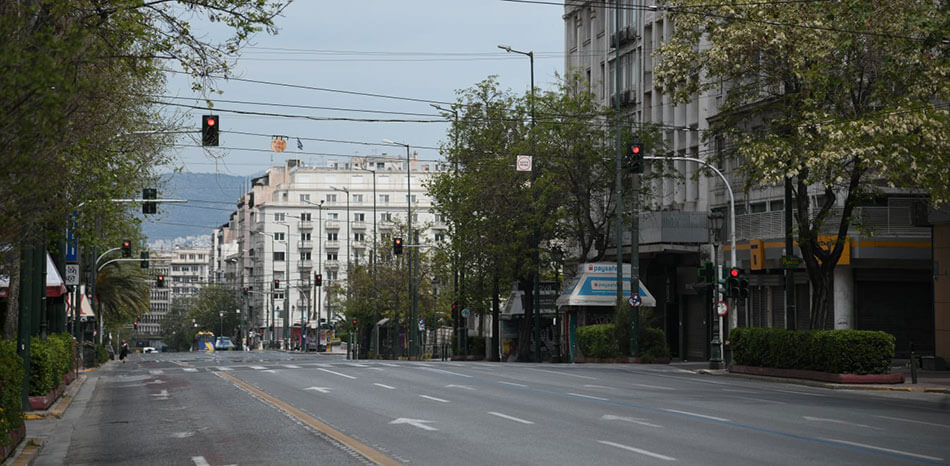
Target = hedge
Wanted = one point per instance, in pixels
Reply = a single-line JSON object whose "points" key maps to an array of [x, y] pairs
{"points": [[834, 351], [597, 341], [50, 360], [11, 386], [653, 345]]}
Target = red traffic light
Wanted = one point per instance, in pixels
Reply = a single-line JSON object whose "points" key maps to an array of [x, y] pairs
{"points": [[734, 272], [210, 121], [635, 149]]}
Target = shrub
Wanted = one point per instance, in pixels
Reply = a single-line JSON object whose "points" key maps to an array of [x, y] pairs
{"points": [[598, 341], [476, 345], [835, 351], [11, 387], [42, 367], [653, 345]]}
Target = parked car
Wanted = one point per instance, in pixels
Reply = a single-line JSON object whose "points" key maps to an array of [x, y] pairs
{"points": [[149, 349], [224, 344]]}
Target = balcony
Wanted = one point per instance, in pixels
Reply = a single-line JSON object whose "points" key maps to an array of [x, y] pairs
{"points": [[358, 225], [386, 225], [305, 225], [358, 244], [332, 264], [333, 225], [305, 244], [332, 244], [893, 221], [305, 264]]}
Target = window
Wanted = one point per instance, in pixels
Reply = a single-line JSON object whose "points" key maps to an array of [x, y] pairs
{"points": [[384, 198], [278, 256], [278, 236], [359, 217], [332, 237], [359, 236], [305, 217], [357, 256], [333, 216], [279, 295], [440, 237], [331, 197], [304, 197], [305, 237], [439, 218], [412, 198], [305, 256], [357, 198], [386, 217], [279, 216], [332, 275], [332, 256]]}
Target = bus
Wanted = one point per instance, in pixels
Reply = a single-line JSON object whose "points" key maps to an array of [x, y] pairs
{"points": [[204, 341]]}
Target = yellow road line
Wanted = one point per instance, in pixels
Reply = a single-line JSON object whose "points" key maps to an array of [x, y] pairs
{"points": [[368, 452]]}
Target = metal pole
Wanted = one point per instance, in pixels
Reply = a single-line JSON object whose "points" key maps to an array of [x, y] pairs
{"points": [[410, 333], [790, 308]]}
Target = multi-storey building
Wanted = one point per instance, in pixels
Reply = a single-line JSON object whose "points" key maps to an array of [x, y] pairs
{"points": [[886, 266], [186, 271], [297, 221]]}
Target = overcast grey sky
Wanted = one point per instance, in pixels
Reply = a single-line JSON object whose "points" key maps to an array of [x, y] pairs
{"points": [[420, 49]]}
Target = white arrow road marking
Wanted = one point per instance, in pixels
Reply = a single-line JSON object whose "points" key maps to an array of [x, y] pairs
{"points": [[611, 417], [714, 418], [872, 447], [587, 396], [337, 373], [270, 371], [356, 365], [463, 387], [162, 395], [420, 423], [384, 386], [839, 421], [440, 400], [637, 450], [510, 418], [156, 381], [319, 389], [291, 366], [190, 369]]}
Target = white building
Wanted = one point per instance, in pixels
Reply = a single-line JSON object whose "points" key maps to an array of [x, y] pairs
{"points": [[185, 271]]}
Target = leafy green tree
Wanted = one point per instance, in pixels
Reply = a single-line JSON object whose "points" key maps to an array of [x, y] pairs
{"points": [[178, 330], [841, 97], [207, 307], [123, 292]]}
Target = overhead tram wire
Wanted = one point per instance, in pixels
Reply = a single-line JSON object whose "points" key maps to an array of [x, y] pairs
{"points": [[291, 153], [309, 107]]}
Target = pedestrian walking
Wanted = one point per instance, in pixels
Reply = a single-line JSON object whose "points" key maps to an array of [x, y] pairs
{"points": [[123, 351]]}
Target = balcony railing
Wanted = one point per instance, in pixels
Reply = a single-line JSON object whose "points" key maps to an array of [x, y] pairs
{"points": [[305, 225], [358, 225], [305, 244], [332, 264], [332, 244], [879, 221], [332, 225], [305, 264]]}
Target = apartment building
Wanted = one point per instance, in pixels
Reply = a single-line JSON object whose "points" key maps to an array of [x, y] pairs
{"points": [[185, 271], [883, 282]]}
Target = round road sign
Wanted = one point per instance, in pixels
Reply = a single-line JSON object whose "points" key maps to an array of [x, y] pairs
{"points": [[524, 163], [722, 308], [634, 300]]}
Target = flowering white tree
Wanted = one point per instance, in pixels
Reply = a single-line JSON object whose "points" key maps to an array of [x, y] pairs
{"points": [[842, 97]]}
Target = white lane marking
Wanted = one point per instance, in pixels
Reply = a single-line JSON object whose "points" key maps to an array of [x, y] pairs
{"points": [[598, 386], [353, 364], [182, 434], [222, 368], [420, 423], [611, 417], [440, 400], [156, 372], [446, 372], [385, 386], [388, 364], [320, 364], [200, 461], [510, 418], [800, 393], [563, 373], [638, 450], [337, 373], [764, 400], [839, 421], [587, 396], [271, 371], [872, 447], [656, 387], [512, 383], [714, 418], [911, 420], [291, 366], [319, 389], [463, 387], [162, 395], [190, 369], [423, 364], [257, 368], [376, 369]]}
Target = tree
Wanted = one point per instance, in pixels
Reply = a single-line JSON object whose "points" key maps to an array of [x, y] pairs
{"points": [[122, 291], [208, 305], [841, 97]]}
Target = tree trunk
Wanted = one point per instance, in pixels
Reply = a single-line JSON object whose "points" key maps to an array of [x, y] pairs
{"points": [[524, 330], [11, 320]]}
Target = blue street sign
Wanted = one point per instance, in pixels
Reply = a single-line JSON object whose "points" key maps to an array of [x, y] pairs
{"points": [[72, 245]]}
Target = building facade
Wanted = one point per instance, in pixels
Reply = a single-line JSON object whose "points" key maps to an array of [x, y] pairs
{"points": [[882, 283], [185, 272]]}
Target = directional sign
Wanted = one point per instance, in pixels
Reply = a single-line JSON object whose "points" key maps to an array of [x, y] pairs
{"points": [[72, 246], [524, 163], [790, 262], [420, 423], [72, 274]]}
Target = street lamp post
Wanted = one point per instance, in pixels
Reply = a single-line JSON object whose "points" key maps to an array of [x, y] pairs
{"points": [[221, 323], [374, 344], [536, 309], [411, 326]]}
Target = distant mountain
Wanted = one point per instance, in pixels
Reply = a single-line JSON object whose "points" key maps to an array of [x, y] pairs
{"points": [[211, 198]]}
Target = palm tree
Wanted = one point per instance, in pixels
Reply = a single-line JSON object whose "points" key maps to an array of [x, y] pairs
{"points": [[122, 291]]}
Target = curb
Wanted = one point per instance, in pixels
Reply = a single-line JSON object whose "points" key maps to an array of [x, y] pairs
{"points": [[26, 454], [61, 405], [830, 386]]}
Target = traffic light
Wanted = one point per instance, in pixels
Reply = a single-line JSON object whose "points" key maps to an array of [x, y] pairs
{"points": [[354, 323], [160, 281], [126, 248], [732, 283], [318, 279], [455, 311], [397, 246], [149, 207], [135, 325], [245, 291], [276, 284], [743, 288], [144, 262], [209, 130], [705, 274], [634, 157]]}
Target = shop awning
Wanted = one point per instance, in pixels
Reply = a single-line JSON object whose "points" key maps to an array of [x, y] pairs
{"points": [[596, 285], [55, 287], [85, 309]]}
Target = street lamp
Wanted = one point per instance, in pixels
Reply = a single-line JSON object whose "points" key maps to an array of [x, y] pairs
{"points": [[374, 344], [537, 235], [412, 307], [221, 323], [715, 222]]}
